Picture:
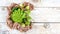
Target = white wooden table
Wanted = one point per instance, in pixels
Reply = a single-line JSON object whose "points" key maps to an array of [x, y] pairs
{"points": [[49, 11]]}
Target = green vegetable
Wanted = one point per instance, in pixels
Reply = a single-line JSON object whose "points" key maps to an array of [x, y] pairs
{"points": [[21, 16], [15, 16]]}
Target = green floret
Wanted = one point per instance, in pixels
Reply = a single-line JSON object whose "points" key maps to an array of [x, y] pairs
{"points": [[17, 16], [20, 16]]}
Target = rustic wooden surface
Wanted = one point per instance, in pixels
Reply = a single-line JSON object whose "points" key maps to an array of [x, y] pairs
{"points": [[47, 11]]}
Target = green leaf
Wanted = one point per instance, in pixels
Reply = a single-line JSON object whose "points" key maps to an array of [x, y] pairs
{"points": [[28, 18], [27, 23]]}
